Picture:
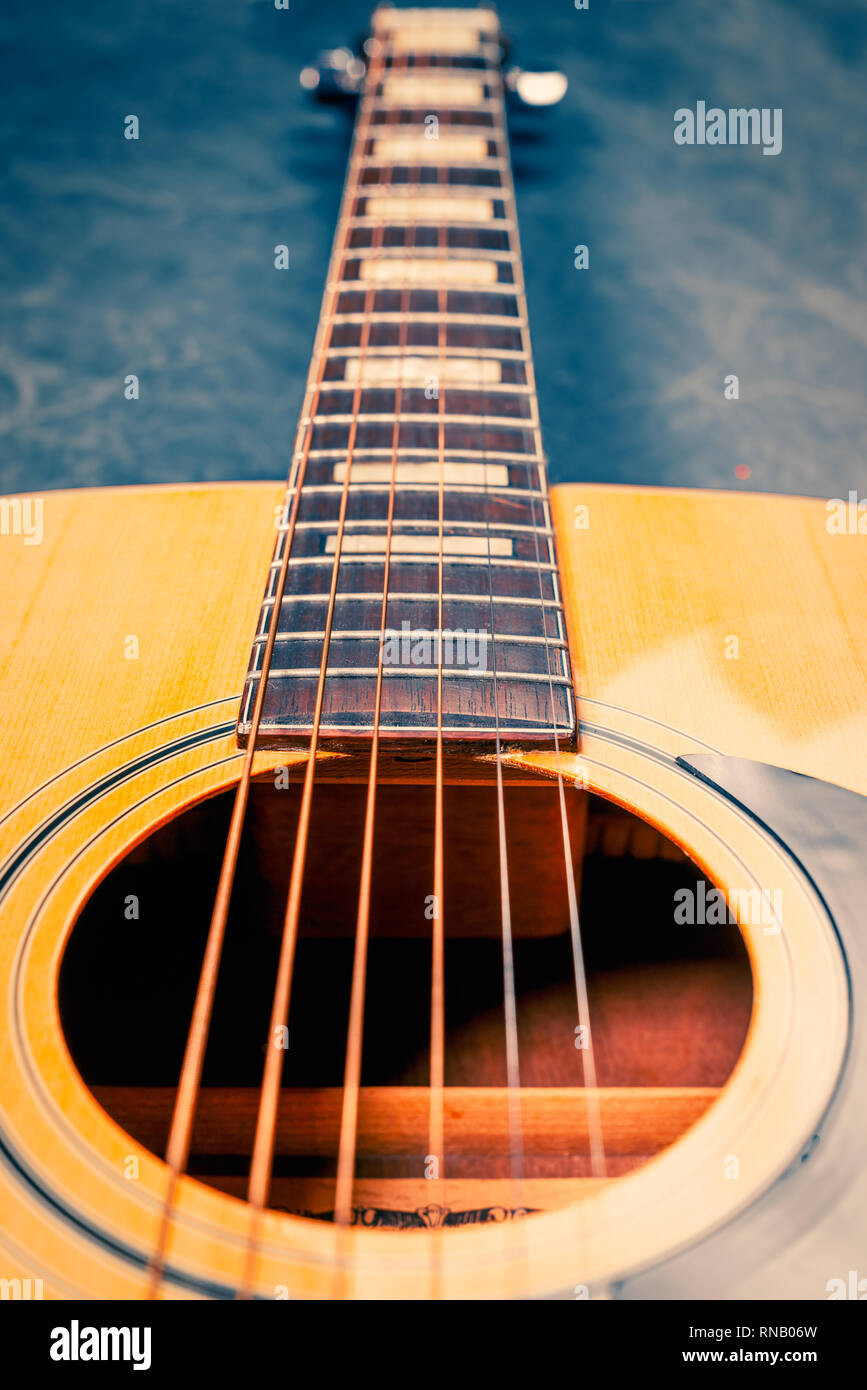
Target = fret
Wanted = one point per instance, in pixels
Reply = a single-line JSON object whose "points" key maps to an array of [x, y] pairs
{"points": [[465, 613], [511, 359], [420, 178], [458, 499], [433, 320], [394, 237], [476, 61], [326, 465], [363, 579], [415, 173], [417, 455], [425, 290], [357, 265], [543, 644], [411, 526], [457, 471], [411, 546], [414, 116], [437, 204], [427, 247], [357, 653], [502, 408], [414, 574], [454, 407], [420, 507], [487, 439], [524, 709], [532, 658], [419, 671], [327, 561], [387, 332]]}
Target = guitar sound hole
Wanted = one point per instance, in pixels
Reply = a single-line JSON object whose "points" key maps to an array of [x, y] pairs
{"points": [[669, 1004]]}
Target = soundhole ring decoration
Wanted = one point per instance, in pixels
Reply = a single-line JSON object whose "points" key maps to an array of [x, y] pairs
{"points": [[766, 1112]]}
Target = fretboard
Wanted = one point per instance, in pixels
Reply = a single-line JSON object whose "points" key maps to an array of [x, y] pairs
{"points": [[418, 464]]}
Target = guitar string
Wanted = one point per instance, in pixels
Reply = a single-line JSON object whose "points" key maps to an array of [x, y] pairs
{"points": [[436, 1081], [269, 1096], [510, 1006], [186, 1099], [355, 1030], [588, 1057]]}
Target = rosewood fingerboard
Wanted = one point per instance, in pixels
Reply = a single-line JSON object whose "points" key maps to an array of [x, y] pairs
{"points": [[420, 406]]}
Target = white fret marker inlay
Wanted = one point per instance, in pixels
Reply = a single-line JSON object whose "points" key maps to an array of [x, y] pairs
{"points": [[427, 270], [416, 371], [430, 88], [484, 474], [479, 21], [439, 40], [418, 149], [418, 207], [353, 544]]}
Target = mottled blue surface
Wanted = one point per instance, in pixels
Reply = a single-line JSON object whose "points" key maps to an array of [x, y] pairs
{"points": [[156, 256]]}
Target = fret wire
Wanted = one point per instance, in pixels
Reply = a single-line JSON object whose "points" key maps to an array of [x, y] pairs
{"points": [[427, 316], [379, 417], [480, 132], [411, 673], [492, 224], [409, 559], [410, 595], [391, 316], [459, 193], [430, 253], [427, 455], [493, 388], [423, 486], [408, 527], [372, 161], [503, 288], [485, 104], [424, 350], [466, 489], [359, 633]]}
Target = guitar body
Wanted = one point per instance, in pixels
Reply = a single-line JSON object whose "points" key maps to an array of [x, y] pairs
{"points": [[699, 624]]}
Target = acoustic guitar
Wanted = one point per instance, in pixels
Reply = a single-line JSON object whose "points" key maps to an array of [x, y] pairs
{"points": [[500, 932]]}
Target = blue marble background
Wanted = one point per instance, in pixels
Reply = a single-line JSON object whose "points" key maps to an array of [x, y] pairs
{"points": [[156, 256]]}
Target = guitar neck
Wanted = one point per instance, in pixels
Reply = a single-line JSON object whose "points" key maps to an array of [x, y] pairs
{"points": [[418, 467]]}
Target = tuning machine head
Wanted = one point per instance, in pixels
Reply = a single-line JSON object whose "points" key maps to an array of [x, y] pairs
{"points": [[534, 87], [336, 75]]}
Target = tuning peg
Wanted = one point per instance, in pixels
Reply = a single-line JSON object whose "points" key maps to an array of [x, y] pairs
{"points": [[536, 86], [336, 75]]}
